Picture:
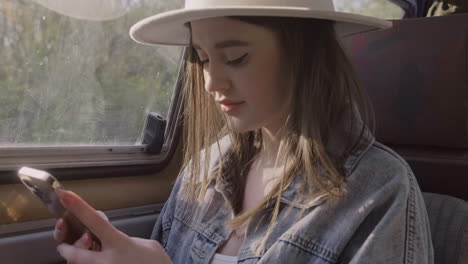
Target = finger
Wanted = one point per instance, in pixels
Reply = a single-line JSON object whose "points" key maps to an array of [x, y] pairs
{"points": [[85, 242], [103, 229], [96, 246], [77, 255], [60, 231], [103, 215]]}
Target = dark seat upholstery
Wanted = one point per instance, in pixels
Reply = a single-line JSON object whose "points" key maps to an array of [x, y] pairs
{"points": [[448, 218], [416, 75]]}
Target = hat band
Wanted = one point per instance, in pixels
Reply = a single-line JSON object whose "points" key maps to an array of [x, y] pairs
{"points": [[325, 5]]}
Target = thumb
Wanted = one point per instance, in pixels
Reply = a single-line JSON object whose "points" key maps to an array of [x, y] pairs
{"points": [[95, 223], [103, 215], [76, 255]]}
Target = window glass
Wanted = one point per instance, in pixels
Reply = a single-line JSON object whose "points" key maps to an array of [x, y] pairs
{"points": [[71, 75], [377, 8]]}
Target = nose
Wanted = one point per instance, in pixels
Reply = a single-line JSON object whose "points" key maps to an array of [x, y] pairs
{"points": [[215, 80]]}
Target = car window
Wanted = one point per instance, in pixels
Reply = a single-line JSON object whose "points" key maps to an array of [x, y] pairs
{"points": [[378, 8], [71, 75]]}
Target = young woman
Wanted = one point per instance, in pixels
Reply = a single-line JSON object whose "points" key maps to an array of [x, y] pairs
{"points": [[280, 166]]}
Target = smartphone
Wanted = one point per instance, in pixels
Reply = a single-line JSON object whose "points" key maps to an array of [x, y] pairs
{"points": [[43, 185]]}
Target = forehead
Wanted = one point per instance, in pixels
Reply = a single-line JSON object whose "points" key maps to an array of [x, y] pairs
{"points": [[207, 32]]}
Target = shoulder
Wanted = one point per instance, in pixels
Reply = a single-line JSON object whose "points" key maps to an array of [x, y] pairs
{"points": [[384, 189], [381, 172], [385, 155], [380, 163]]}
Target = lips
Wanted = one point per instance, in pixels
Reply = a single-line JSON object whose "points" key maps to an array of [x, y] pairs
{"points": [[229, 106]]}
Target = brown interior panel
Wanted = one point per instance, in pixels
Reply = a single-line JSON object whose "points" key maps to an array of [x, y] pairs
{"points": [[17, 204]]}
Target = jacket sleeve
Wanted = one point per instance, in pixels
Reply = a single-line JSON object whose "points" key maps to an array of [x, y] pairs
{"points": [[400, 234]]}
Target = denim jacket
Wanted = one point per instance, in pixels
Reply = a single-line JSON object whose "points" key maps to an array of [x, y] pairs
{"points": [[381, 219]]}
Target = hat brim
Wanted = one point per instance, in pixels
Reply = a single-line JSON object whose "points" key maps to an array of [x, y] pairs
{"points": [[170, 28]]}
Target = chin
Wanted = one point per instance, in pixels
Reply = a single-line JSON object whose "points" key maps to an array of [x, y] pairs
{"points": [[240, 126]]}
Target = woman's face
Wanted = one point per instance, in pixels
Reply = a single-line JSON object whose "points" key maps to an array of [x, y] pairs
{"points": [[243, 71]]}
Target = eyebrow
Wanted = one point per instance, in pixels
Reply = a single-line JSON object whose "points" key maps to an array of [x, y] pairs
{"points": [[226, 44]]}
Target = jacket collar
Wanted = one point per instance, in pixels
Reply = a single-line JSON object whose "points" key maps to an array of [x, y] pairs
{"points": [[350, 125], [345, 128]]}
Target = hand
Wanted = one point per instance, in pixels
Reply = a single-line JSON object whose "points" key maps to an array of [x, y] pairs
{"points": [[86, 241], [117, 247]]}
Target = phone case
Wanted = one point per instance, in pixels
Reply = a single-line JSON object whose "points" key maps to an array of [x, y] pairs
{"points": [[43, 186]]}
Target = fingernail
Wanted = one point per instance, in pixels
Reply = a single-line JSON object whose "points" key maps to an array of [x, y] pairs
{"points": [[59, 192], [60, 224], [60, 249], [64, 197]]}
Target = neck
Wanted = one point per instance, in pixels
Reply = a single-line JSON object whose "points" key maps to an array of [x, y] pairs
{"points": [[270, 147]]}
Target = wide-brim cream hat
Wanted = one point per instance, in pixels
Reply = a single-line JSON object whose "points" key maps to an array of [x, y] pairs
{"points": [[169, 28]]}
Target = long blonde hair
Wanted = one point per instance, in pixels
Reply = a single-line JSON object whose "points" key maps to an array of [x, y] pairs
{"points": [[325, 88]]}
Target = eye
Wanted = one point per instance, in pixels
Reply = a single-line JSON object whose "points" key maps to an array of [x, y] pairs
{"points": [[237, 61]]}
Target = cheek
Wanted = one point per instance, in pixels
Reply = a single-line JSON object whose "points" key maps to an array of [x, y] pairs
{"points": [[267, 86]]}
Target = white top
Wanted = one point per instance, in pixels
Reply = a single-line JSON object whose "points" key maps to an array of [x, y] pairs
{"points": [[223, 259]]}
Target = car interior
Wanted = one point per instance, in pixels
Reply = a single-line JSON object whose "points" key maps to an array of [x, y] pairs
{"points": [[416, 75]]}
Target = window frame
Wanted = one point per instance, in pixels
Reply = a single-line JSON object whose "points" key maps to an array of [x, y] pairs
{"points": [[84, 162]]}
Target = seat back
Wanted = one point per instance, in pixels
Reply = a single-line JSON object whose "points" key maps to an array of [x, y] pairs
{"points": [[416, 75], [448, 217]]}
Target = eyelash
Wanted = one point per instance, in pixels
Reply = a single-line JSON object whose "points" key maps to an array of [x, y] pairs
{"points": [[234, 62]]}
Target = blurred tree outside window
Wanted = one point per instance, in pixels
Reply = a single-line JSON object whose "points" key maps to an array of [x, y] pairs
{"points": [[384, 9], [71, 75]]}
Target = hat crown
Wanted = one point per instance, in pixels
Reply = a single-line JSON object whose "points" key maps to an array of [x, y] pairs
{"points": [[324, 5], [170, 28]]}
